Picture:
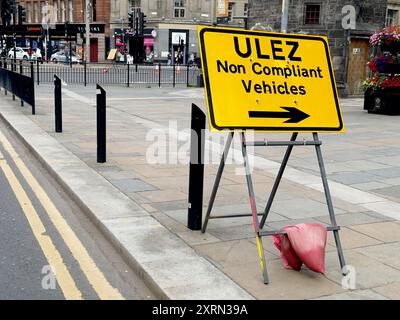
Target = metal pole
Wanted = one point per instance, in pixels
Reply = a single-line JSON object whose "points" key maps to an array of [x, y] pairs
{"points": [[187, 75], [32, 73], [70, 54], [196, 168], [14, 38], [21, 71], [37, 71], [127, 82], [84, 73], [57, 103], [217, 181], [87, 27], [278, 180], [253, 208], [330, 204], [101, 124], [285, 15], [173, 75], [159, 75], [214, 12]]}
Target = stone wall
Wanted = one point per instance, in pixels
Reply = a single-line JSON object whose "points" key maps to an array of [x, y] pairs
{"points": [[371, 16]]}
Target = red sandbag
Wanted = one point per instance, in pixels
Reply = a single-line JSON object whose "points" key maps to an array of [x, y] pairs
{"points": [[289, 257], [307, 242]]}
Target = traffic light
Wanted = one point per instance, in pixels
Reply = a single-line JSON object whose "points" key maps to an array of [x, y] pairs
{"points": [[130, 18], [6, 11], [136, 48], [21, 15], [142, 23]]}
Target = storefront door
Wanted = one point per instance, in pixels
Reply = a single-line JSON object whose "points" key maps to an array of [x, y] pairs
{"points": [[94, 50]]}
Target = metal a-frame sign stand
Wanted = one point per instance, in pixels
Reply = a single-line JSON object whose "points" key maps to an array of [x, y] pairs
{"points": [[257, 224], [269, 77]]}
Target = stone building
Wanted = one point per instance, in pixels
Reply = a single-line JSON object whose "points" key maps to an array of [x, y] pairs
{"points": [[169, 21], [72, 11], [350, 47]]}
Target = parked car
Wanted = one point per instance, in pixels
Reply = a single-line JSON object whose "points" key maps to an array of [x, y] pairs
{"points": [[60, 57], [23, 53], [19, 53], [34, 54]]}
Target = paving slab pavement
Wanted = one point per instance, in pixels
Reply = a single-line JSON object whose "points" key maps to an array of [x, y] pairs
{"points": [[359, 165]]}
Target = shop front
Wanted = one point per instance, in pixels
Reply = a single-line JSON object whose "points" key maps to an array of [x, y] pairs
{"points": [[55, 38]]}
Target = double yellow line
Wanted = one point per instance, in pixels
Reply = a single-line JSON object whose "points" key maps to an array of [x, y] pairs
{"points": [[89, 268]]}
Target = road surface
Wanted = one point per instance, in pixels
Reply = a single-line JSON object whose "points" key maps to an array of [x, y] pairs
{"points": [[48, 248]]}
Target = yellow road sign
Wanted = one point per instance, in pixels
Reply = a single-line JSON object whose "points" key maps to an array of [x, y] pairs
{"points": [[269, 81]]}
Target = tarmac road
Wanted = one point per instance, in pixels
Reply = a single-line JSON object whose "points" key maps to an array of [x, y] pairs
{"points": [[48, 248]]}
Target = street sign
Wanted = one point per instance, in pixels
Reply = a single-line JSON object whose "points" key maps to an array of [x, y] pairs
{"points": [[269, 81]]}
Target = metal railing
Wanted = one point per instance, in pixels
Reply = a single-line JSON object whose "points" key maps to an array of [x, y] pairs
{"points": [[14, 81], [108, 73]]}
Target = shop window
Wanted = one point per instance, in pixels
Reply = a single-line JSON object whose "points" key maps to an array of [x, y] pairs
{"points": [[312, 14], [179, 8]]}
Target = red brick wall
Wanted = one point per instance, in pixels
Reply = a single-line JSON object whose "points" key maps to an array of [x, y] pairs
{"points": [[102, 8]]}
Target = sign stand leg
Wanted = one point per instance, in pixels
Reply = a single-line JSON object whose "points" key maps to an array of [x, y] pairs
{"points": [[217, 181], [278, 180], [329, 203], [253, 207]]}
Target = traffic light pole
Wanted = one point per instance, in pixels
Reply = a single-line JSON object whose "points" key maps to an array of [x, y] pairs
{"points": [[14, 40]]}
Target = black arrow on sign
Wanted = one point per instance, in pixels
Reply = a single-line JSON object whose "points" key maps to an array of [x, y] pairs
{"points": [[295, 115]]}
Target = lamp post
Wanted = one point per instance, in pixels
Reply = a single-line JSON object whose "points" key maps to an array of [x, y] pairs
{"points": [[214, 12], [285, 15]]}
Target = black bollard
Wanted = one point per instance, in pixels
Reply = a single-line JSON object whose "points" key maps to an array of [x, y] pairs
{"points": [[196, 169], [58, 103], [101, 124]]}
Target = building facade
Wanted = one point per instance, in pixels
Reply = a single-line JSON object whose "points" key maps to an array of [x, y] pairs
{"points": [[50, 17], [350, 47], [171, 21]]}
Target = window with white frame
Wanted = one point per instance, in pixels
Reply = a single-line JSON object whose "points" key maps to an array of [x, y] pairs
{"points": [[392, 17], [231, 10], [29, 12], [42, 11], [55, 11], [71, 11], [134, 4], [179, 8], [63, 13], [36, 12]]}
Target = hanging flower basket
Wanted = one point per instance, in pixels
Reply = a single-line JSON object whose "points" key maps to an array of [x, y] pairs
{"points": [[383, 102], [382, 90], [393, 48], [392, 68], [388, 39]]}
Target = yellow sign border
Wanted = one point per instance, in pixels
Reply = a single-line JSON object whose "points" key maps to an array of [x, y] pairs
{"points": [[201, 30]]}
